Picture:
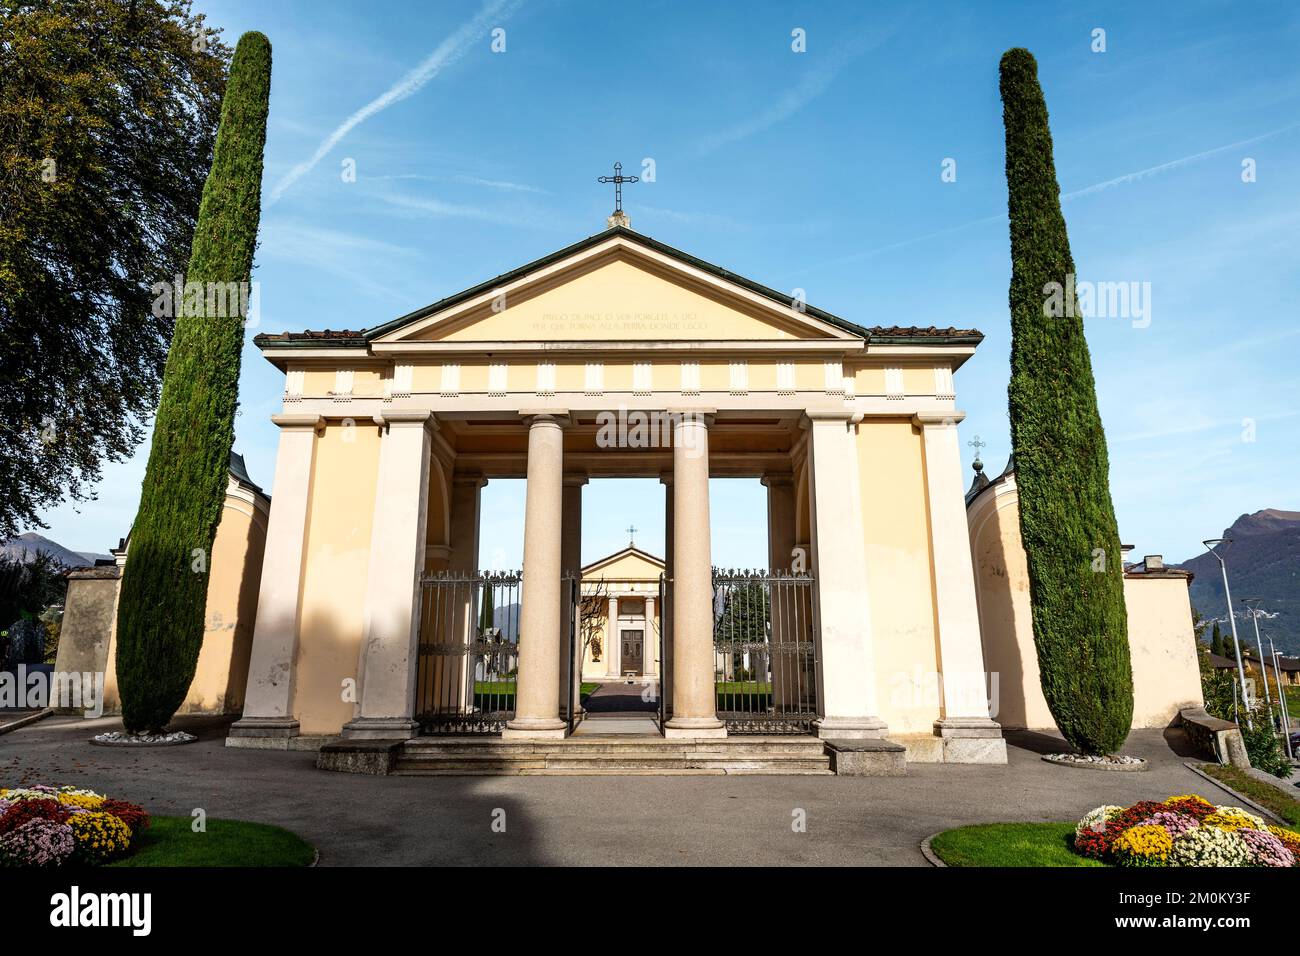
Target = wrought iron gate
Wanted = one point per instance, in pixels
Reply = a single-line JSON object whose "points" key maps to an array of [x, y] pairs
{"points": [[764, 651], [469, 652]]}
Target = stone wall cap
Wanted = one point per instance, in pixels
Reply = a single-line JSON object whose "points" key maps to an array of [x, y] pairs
{"points": [[864, 745]]}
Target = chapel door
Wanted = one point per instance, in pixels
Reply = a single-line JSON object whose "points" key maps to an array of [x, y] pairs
{"points": [[633, 652]]}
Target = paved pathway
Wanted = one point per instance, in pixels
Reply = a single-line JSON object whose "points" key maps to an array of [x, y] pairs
{"points": [[585, 820]]}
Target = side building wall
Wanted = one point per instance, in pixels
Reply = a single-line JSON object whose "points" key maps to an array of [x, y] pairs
{"points": [[1166, 676]]}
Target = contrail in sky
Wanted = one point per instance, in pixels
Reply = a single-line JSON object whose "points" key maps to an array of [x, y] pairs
{"points": [[447, 52]]}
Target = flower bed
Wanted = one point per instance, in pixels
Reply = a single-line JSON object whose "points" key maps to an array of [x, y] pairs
{"points": [[53, 826], [1185, 830]]}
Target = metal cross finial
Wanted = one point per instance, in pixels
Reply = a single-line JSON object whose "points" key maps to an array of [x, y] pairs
{"points": [[631, 532], [618, 179], [977, 445]]}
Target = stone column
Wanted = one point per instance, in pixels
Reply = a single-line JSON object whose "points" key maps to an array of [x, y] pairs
{"points": [[650, 648], [571, 562], [846, 675], [613, 648], [969, 735], [784, 610], [666, 612], [391, 629], [537, 696], [695, 701], [268, 703]]}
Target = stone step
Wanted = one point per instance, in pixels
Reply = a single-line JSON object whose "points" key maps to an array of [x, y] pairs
{"points": [[615, 744], [646, 760]]}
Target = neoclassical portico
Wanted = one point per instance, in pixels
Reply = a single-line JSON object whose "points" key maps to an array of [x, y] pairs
{"points": [[616, 357]]}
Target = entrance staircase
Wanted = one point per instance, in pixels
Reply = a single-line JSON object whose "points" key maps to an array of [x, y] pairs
{"points": [[612, 755]]}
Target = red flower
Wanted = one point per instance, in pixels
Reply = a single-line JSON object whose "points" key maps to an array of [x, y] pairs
{"points": [[1193, 808], [1097, 842], [24, 811], [135, 817]]}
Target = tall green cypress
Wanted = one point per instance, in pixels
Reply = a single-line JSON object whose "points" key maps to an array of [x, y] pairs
{"points": [[1067, 521], [160, 618]]}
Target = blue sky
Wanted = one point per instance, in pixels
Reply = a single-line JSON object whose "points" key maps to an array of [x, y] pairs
{"points": [[817, 170]]}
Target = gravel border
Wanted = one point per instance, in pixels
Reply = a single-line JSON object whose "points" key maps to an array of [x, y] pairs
{"points": [[136, 744], [1057, 760]]}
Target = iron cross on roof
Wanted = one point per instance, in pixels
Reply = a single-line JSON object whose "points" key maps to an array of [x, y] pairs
{"points": [[977, 445], [631, 532], [618, 179]]}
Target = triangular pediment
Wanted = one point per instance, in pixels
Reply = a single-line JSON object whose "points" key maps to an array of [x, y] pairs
{"points": [[629, 564], [618, 287]]}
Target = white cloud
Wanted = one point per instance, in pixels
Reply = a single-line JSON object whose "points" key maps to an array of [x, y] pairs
{"points": [[446, 53]]}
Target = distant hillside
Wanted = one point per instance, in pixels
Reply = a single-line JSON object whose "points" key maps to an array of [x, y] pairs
{"points": [[1263, 558], [25, 546]]}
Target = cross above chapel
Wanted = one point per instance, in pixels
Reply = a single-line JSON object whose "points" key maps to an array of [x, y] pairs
{"points": [[618, 217], [631, 531]]}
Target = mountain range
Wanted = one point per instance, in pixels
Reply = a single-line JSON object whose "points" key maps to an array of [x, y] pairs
{"points": [[24, 548], [1262, 554]]}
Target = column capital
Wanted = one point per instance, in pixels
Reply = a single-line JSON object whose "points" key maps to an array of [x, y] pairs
{"points": [[474, 478], [815, 415], [543, 416], [298, 422], [782, 479], [575, 479], [407, 418], [944, 419], [693, 416], [666, 478]]}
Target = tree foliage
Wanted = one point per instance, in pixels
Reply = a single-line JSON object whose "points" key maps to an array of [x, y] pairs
{"points": [[108, 112], [1067, 521], [165, 582]]}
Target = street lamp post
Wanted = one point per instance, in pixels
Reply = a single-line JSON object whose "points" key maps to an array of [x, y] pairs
{"points": [[1253, 605], [1210, 545], [1281, 699]]}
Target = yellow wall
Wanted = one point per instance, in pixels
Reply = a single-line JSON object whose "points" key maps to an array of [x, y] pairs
{"points": [[222, 673], [334, 588], [1162, 645], [899, 579], [631, 572]]}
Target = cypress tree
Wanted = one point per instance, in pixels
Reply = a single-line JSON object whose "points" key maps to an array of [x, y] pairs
{"points": [[161, 609], [1067, 521], [1216, 642]]}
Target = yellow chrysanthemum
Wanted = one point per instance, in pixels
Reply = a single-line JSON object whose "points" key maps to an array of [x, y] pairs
{"points": [[1196, 798], [99, 836], [1143, 845], [87, 801], [1233, 818]]}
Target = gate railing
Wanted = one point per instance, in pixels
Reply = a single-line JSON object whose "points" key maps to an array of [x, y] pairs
{"points": [[764, 651], [468, 652]]}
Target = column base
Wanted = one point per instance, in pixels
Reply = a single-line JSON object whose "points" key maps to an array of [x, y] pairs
{"points": [[680, 728], [849, 728], [971, 740], [264, 733], [380, 728], [535, 728]]}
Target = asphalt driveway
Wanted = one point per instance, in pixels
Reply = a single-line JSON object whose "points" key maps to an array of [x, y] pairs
{"points": [[633, 821]]}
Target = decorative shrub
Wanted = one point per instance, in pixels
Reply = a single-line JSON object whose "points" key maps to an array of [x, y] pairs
{"points": [[38, 842], [1147, 844], [1184, 830], [84, 801]]}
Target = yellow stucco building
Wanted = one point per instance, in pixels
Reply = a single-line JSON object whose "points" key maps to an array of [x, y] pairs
{"points": [[620, 356]]}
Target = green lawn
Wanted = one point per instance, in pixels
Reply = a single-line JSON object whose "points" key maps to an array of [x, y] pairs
{"points": [[1009, 844], [500, 694], [1266, 795], [170, 841]]}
